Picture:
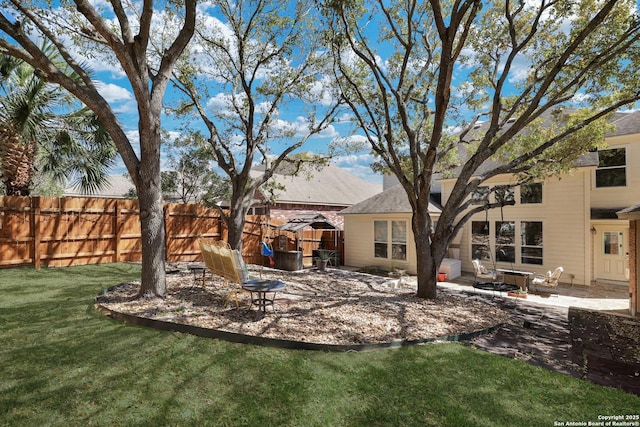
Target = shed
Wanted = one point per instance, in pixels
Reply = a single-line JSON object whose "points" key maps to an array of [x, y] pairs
{"points": [[292, 260]]}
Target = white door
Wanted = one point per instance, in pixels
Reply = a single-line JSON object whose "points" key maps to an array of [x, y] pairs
{"points": [[612, 249]]}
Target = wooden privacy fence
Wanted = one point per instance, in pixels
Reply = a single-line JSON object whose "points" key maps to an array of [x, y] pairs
{"points": [[66, 231]]}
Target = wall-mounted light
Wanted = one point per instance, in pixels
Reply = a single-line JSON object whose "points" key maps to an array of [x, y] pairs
{"points": [[593, 230]]}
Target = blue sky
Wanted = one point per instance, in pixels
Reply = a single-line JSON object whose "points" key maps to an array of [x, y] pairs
{"points": [[114, 86]]}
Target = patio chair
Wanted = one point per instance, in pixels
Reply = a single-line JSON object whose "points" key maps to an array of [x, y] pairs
{"points": [[548, 280], [222, 261], [481, 272]]}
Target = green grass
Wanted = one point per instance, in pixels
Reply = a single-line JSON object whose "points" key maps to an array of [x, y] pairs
{"points": [[62, 363]]}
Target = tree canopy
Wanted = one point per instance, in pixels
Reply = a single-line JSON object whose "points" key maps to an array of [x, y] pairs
{"points": [[249, 64], [421, 76], [121, 33], [46, 137]]}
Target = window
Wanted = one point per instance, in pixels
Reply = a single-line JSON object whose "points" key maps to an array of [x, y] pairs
{"points": [[480, 196], [380, 236], [531, 240], [612, 171], [531, 193], [398, 239], [480, 240], [505, 241], [504, 195]]}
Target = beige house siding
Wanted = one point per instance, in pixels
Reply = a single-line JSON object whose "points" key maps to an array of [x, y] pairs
{"points": [[586, 247], [564, 213], [620, 197], [359, 242]]}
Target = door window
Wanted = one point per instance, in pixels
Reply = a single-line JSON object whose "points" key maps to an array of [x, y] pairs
{"points": [[612, 243]]}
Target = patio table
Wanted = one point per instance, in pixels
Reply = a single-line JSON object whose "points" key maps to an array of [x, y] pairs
{"points": [[517, 273], [259, 290], [199, 271]]}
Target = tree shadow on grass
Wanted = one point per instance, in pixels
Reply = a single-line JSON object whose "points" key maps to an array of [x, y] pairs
{"points": [[63, 363]]}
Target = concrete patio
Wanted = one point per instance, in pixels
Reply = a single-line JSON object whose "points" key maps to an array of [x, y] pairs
{"points": [[598, 296], [541, 331]]}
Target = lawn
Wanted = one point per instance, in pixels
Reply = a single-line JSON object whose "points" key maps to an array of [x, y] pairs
{"points": [[63, 363]]}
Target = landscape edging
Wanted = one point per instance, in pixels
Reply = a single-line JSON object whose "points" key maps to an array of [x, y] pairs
{"points": [[276, 342]]}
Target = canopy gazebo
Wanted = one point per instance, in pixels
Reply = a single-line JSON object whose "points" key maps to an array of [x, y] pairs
{"points": [[292, 258]]}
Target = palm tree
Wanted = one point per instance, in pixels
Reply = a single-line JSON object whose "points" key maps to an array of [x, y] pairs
{"points": [[81, 153], [41, 133]]}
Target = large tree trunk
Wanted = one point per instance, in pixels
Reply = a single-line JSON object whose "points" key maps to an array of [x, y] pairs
{"points": [[151, 217], [427, 268], [240, 205], [236, 229], [131, 51], [153, 241]]}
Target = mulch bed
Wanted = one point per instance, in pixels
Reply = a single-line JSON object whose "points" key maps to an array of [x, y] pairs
{"points": [[349, 313]]}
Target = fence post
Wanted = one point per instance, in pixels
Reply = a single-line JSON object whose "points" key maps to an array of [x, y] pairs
{"points": [[167, 235], [116, 232], [35, 227]]}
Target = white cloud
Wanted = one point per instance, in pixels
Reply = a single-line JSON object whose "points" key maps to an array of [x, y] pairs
{"points": [[264, 107], [354, 159], [581, 97], [301, 128], [100, 3], [172, 135], [520, 70], [221, 105], [323, 91], [354, 141], [359, 165], [328, 132], [134, 139], [113, 93], [220, 100], [345, 117]]}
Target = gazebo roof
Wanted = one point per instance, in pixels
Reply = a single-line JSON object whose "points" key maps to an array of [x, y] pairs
{"points": [[315, 221]]}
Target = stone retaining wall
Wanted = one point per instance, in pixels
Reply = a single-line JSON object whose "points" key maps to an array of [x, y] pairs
{"points": [[607, 346]]}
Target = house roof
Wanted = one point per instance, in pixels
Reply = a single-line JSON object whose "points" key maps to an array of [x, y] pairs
{"points": [[632, 212], [586, 160], [330, 186], [117, 186], [626, 123], [392, 200]]}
